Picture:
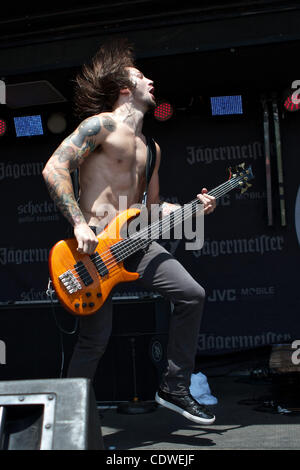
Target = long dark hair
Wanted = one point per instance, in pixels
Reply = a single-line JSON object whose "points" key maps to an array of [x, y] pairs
{"points": [[98, 84]]}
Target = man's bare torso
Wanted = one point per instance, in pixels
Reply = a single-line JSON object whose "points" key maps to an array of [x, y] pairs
{"points": [[114, 170], [111, 153]]}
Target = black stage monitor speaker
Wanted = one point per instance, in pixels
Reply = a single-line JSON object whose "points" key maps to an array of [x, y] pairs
{"points": [[54, 414]]}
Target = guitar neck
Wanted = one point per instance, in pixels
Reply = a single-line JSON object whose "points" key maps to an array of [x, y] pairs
{"points": [[185, 212], [158, 229]]}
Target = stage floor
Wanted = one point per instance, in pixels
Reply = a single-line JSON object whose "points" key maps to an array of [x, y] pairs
{"points": [[247, 418]]}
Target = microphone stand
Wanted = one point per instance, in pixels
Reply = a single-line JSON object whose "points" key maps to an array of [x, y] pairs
{"points": [[135, 406]]}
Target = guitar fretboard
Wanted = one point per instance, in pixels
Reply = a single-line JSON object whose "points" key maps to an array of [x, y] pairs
{"points": [[158, 229]]}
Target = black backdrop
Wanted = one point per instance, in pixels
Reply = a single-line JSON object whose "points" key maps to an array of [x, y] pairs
{"points": [[249, 270]]}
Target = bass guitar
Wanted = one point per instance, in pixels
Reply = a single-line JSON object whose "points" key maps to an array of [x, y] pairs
{"points": [[83, 282]]}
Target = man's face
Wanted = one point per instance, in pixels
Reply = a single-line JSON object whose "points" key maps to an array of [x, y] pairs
{"points": [[143, 91]]}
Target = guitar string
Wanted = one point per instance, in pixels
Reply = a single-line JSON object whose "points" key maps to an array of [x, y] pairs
{"points": [[178, 215], [132, 249], [159, 228], [127, 246], [160, 225]]}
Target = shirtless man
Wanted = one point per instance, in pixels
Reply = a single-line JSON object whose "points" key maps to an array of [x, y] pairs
{"points": [[110, 150]]}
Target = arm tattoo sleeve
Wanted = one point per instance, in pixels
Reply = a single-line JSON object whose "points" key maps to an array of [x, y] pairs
{"points": [[69, 155], [87, 128], [60, 188]]}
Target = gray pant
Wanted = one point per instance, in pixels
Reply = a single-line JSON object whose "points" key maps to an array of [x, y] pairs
{"points": [[161, 272]]}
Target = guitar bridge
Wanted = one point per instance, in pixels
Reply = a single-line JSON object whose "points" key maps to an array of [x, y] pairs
{"points": [[70, 282]]}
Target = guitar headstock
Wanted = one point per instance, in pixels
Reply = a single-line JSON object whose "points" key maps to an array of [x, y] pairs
{"points": [[244, 175]]}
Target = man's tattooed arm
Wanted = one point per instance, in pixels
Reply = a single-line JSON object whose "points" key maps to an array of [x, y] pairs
{"points": [[60, 188], [69, 156]]}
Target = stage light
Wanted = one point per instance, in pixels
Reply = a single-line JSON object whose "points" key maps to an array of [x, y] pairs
{"points": [[57, 123], [27, 126], [3, 127], [292, 100], [225, 105], [163, 111]]}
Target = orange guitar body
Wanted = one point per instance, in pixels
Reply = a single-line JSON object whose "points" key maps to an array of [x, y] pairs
{"points": [[64, 256]]}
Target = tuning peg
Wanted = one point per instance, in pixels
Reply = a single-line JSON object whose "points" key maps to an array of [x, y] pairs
{"points": [[245, 187]]}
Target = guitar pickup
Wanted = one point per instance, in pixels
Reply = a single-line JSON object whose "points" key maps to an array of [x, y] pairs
{"points": [[83, 273], [99, 264]]}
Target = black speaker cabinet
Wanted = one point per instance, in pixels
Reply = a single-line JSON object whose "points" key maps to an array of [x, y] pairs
{"points": [[36, 349], [58, 414], [136, 354]]}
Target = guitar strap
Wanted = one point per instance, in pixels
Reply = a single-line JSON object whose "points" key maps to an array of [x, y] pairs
{"points": [[75, 181], [150, 165]]}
